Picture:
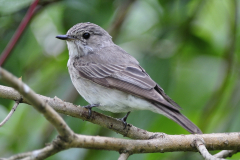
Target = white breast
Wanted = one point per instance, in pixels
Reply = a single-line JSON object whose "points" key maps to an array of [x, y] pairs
{"points": [[109, 99]]}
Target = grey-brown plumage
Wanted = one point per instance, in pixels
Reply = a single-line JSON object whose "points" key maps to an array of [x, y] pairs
{"points": [[105, 74]]}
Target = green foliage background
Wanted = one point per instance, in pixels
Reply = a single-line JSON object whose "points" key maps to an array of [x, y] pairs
{"points": [[190, 48]]}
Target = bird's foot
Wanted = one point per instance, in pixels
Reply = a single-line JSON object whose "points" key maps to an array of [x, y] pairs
{"points": [[124, 119], [89, 107]]}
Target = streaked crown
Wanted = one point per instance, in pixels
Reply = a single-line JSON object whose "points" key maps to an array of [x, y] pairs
{"points": [[89, 27]]}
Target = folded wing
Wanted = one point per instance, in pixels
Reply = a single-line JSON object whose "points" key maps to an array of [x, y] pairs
{"points": [[128, 78]]}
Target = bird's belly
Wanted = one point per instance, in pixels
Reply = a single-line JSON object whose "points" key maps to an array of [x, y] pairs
{"points": [[109, 99]]}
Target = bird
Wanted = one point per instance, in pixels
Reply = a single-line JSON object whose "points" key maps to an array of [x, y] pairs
{"points": [[109, 78]]}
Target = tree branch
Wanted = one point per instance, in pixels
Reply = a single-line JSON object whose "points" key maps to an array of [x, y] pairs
{"points": [[226, 153], [124, 156], [168, 143], [200, 145], [10, 113], [211, 140], [43, 107], [82, 113]]}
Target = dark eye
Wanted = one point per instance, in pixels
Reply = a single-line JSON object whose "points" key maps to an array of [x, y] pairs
{"points": [[86, 35]]}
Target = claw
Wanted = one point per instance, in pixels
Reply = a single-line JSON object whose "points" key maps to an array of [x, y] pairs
{"points": [[89, 107], [124, 120]]}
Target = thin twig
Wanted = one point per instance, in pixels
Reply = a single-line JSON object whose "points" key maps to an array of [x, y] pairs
{"points": [[124, 156], [10, 113], [199, 144], [226, 153], [19, 156], [41, 153]]}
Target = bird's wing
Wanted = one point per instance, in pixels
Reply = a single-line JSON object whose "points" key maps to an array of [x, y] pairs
{"points": [[127, 78]]}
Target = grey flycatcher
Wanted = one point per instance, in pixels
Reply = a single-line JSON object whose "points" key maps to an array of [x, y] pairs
{"points": [[108, 77]]}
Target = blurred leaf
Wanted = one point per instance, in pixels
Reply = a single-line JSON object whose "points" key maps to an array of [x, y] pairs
{"points": [[10, 6]]}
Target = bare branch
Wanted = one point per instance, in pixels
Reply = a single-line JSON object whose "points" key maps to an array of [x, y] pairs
{"points": [[10, 93], [225, 140], [19, 156], [44, 152], [167, 143], [43, 107], [82, 113], [124, 156], [226, 153], [37, 154], [10, 113], [199, 143]]}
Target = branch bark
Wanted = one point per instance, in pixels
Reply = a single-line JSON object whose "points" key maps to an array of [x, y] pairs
{"points": [[123, 156], [10, 113], [43, 107], [168, 143], [82, 113], [200, 145], [226, 153]]}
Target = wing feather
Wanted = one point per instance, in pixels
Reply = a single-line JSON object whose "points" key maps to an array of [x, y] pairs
{"points": [[128, 78]]}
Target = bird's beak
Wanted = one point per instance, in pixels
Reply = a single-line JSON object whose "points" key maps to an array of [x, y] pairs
{"points": [[64, 37]]}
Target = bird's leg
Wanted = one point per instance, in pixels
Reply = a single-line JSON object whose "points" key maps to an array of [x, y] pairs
{"points": [[89, 107], [124, 120]]}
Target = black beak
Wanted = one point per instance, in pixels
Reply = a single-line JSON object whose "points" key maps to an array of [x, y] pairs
{"points": [[63, 37]]}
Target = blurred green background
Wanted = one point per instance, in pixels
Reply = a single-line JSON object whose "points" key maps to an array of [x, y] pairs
{"points": [[190, 48]]}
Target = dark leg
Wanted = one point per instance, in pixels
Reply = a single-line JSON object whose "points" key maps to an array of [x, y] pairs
{"points": [[89, 107], [124, 120]]}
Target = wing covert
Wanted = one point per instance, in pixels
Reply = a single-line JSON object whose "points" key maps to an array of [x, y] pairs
{"points": [[131, 79]]}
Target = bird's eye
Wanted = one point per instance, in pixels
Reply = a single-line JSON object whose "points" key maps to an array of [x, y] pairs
{"points": [[86, 35]]}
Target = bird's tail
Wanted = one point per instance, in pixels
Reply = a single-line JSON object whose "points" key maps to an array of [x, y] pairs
{"points": [[179, 118]]}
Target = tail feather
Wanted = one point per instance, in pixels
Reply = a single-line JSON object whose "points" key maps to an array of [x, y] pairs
{"points": [[179, 118]]}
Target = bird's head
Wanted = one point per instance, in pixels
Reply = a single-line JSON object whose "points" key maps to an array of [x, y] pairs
{"points": [[86, 38]]}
